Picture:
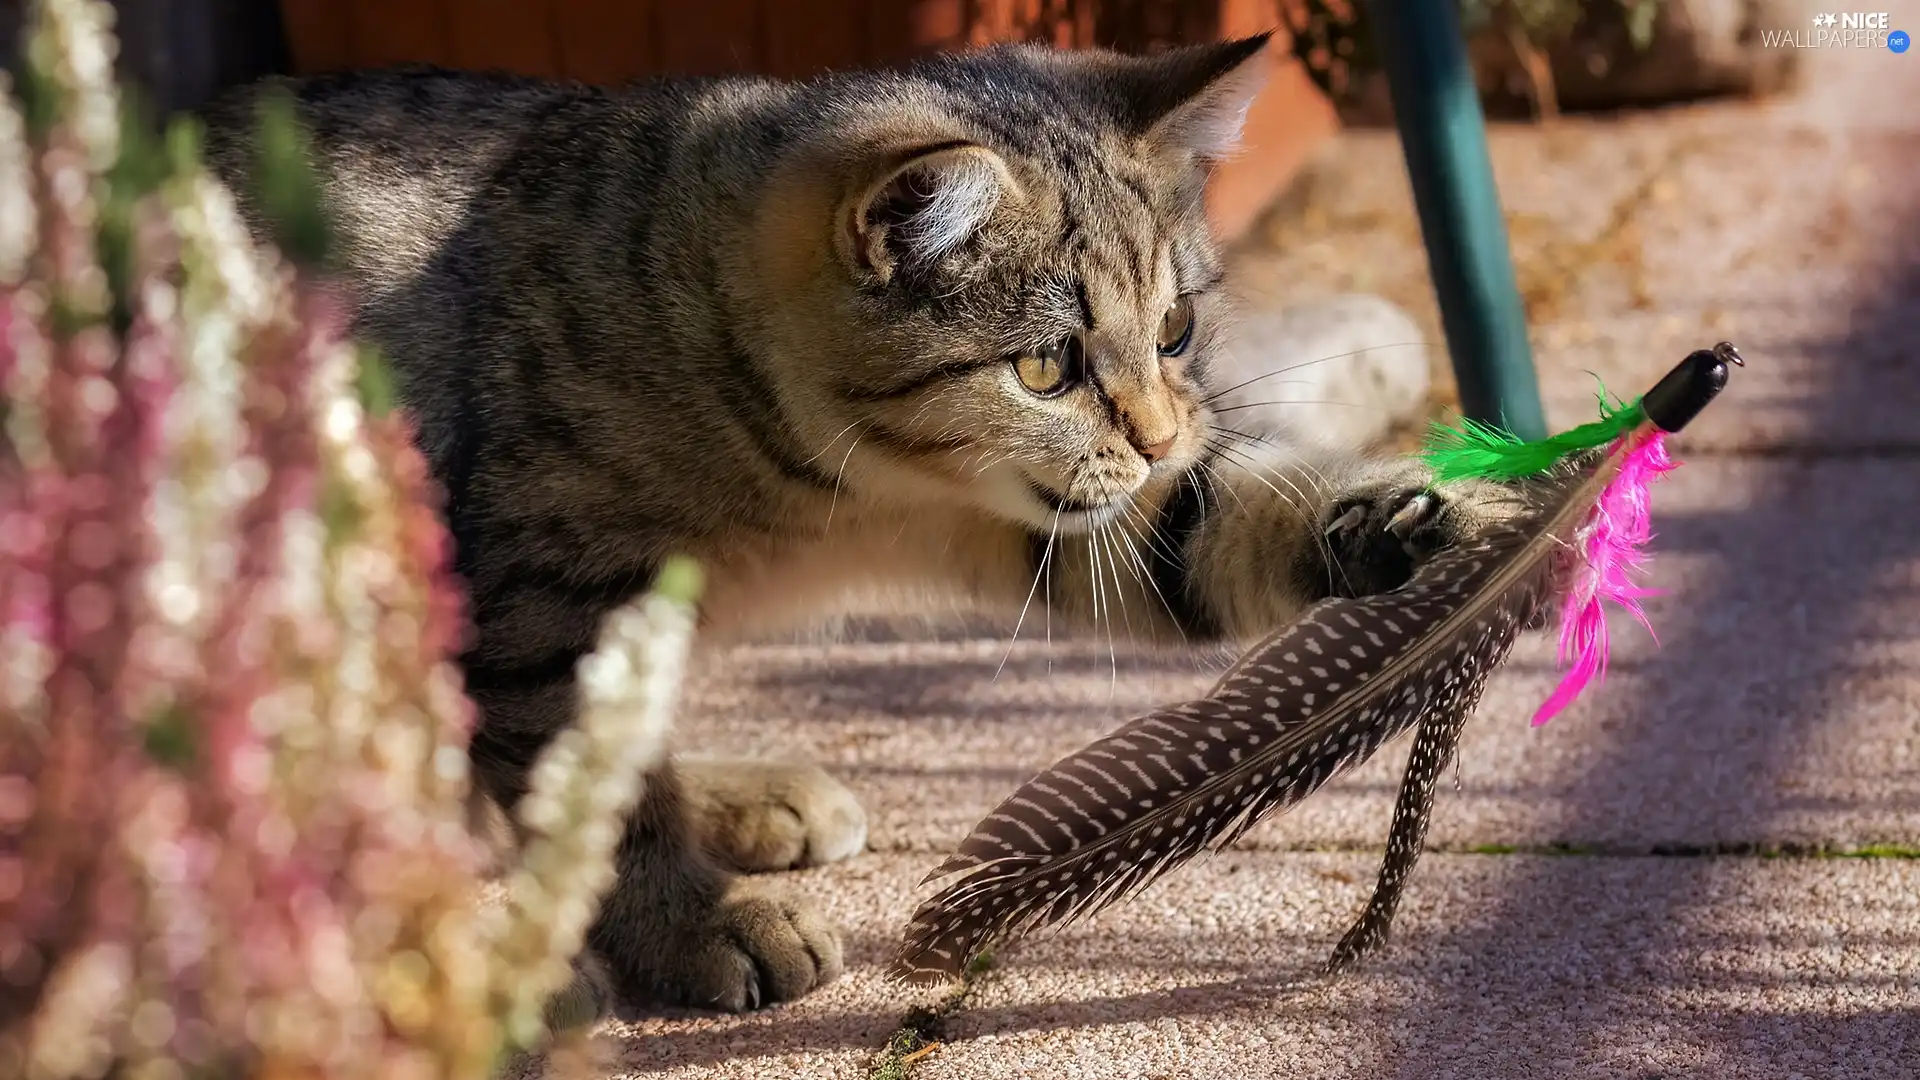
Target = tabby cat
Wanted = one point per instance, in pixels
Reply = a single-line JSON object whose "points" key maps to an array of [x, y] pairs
{"points": [[936, 336]]}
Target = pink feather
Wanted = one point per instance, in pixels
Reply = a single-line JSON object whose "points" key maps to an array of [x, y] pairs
{"points": [[1610, 548]]}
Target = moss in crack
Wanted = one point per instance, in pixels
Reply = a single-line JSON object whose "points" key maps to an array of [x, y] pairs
{"points": [[921, 1030], [1536, 849], [1877, 851], [918, 1034]]}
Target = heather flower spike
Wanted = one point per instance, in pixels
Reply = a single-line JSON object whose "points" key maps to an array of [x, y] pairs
{"points": [[233, 741]]}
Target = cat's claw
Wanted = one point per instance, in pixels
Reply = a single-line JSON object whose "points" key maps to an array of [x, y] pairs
{"points": [[1376, 534], [756, 949], [1374, 538], [1415, 512], [1353, 516]]}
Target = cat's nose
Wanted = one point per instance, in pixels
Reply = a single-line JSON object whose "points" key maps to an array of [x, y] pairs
{"points": [[1156, 451]]}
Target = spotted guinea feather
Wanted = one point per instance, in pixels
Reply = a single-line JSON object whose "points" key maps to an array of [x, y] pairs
{"points": [[1309, 702]]}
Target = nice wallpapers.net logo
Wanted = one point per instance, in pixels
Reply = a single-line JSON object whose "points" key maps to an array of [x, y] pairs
{"points": [[1842, 30]]}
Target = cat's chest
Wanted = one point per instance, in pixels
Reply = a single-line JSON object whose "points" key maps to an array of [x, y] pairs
{"points": [[912, 564]]}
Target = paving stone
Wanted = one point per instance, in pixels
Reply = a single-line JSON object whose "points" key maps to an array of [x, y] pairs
{"points": [[1502, 966]]}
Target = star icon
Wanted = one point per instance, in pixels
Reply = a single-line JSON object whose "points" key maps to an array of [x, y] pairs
{"points": [[1830, 19]]}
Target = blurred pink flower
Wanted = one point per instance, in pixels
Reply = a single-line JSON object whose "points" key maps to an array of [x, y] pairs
{"points": [[233, 782]]}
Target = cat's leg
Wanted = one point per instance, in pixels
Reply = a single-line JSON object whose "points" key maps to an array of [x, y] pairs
{"points": [[679, 928], [676, 927], [1239, 544], [754, 816], [1382, 519], [1286, 527]]}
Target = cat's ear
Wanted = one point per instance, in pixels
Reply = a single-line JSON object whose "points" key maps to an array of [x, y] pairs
{"points": [[1195, 99], [921, 208]]}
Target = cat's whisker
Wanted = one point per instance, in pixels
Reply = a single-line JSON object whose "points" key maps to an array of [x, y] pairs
{"points": [[1322, 490], [1046, 604], [1220, 477], [1299, 509], [839, 478], [1296, 401], [1220, 482], [1195, 650], [1303, 509], [1313, 477], [1143, 575], [1099, 574], [1157, 540], [1199, 491], [1209, 399], [823, 451], [1313, 474], [1218, 394], [1248, 466], [1110, 538], [1046, 558], [1100, 605]]}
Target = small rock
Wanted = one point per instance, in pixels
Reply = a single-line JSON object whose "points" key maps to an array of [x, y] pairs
{"points": [[1343, 371]]}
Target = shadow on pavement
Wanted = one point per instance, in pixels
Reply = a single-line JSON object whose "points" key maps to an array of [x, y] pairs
{"points": [[1795, 557]]}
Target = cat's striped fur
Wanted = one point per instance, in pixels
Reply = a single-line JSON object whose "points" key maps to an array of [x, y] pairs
{"points": [[774, 326]]}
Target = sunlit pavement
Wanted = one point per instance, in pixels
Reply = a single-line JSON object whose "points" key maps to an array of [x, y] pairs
{"points": [[1631, 891]]}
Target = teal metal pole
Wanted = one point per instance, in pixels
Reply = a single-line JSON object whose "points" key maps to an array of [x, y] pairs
{"points": [[1443, 134]]}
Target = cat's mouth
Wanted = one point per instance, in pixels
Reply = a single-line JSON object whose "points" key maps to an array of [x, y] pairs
{"points": [[1064, 504], [1071, 507]]}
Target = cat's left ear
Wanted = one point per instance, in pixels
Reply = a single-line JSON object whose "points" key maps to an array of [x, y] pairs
{"points": [[1195, 99], [920, 208]]}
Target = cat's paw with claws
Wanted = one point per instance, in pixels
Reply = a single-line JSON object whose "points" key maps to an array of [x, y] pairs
{"points": [[758, 816], [1372, 537], [753, 950]]}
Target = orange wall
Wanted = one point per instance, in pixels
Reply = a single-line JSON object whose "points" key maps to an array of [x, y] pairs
{"points": [[610, 41]]}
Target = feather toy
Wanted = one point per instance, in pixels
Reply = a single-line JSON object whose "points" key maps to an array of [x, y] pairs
{"points": [[1326, 692]]}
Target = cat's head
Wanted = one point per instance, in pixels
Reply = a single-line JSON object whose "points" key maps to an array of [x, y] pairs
{"points": [[1025, 288]]}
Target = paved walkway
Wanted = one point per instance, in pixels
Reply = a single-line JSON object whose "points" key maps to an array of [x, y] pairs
{"points": [[1602, 902]]}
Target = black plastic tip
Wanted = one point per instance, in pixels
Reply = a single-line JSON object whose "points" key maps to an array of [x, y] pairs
{"points": [[1677, 399]]}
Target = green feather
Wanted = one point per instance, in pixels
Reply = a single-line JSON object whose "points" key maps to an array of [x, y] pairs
{"points": [[1473, 450]]}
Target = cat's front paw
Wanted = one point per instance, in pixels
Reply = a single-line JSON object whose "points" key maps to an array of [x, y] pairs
{"points": [[1372, 537], [756, 816], [752, 950]]}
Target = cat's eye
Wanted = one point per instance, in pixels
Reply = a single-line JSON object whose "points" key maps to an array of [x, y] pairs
{"points": [[1051, 369], [1176, 327]]}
